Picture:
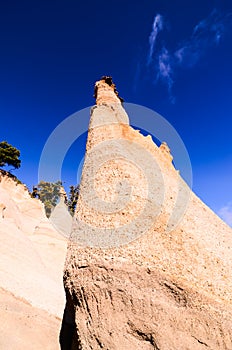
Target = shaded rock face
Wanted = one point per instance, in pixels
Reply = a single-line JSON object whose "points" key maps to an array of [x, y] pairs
{"points": [[166, 289], [122, 306]]}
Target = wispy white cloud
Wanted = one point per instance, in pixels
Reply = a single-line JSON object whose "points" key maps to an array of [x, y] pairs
{"points": [[207, 33], [226, 213], [165, 65], [213, 26], [157, 26], [165, 70], [162, 59]]}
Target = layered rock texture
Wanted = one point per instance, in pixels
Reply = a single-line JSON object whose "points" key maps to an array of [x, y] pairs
{"points": [[147, 286], [31, 266]]}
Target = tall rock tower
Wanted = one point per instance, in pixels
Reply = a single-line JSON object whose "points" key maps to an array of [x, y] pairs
{"points": [[137, 276]]}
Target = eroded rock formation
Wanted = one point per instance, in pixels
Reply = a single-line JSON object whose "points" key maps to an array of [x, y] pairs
{"points": [[31, 264], [157, 288]]}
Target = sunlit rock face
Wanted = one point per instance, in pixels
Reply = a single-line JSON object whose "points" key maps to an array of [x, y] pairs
{"points": [[136, 275], [60, 217], [31, 270]]}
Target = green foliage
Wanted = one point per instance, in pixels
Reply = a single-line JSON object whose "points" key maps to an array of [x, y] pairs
{"points": [[73, 198], [49, 194], [9, 155], [35, 193]]}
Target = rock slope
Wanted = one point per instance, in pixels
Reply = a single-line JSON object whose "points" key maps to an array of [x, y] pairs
{"points": [[26, 327], [31, 269], [159, 288]]}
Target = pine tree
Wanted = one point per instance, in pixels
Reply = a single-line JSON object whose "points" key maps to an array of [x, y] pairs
{"points": [[9, 155], [49, 194], [73, 198]]}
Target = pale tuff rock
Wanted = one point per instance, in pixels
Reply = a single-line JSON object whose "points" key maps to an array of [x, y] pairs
{"points": [[170, 286], [23, 326], [32, 251], [31, 264], [105, 92], [2, 208], [60, 216], [166, 151]]}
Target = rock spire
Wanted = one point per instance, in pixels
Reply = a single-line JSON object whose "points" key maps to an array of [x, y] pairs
{"points": [[131, 280]]}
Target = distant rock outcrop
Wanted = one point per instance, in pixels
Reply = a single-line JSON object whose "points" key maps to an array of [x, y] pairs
{"points": [[31, 264], [60, 217], [163, 289]]}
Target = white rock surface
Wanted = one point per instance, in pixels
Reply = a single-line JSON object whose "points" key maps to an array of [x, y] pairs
{"points": [[32, 253]]}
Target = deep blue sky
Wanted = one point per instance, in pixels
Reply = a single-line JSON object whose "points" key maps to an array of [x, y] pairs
{"points": [[52, 52]]}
